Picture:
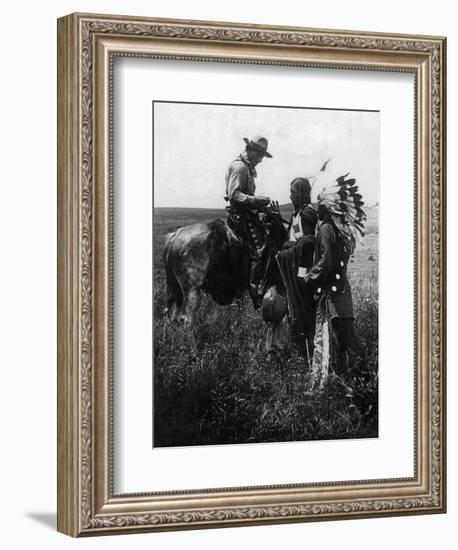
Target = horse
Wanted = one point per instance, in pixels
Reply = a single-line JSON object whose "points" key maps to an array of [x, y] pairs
{"points": [[212, 258]]}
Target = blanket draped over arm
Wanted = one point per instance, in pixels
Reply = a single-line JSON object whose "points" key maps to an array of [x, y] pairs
{"points": [[301, 306]]}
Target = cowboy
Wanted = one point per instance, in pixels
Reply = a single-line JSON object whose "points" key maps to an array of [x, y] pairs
{"points": [[245, 206], [335, 342]]}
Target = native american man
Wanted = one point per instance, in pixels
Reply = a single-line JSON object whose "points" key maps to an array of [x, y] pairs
{"points": [[295, 258], [341, 220]]}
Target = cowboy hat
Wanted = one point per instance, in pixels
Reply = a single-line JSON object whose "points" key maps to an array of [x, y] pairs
{"points": [[260, 144]]}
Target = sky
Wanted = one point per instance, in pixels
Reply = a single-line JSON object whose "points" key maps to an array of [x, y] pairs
{"points": [[194, 144]]}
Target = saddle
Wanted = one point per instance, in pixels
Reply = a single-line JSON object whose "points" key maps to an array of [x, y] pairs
{"points": [[258, 234], [248, 227]]}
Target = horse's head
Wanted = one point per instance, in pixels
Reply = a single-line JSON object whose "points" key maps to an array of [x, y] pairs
{"points": [[274, 225]]}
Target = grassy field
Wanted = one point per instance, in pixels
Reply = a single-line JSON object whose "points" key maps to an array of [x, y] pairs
{"points": [[231, 393]]}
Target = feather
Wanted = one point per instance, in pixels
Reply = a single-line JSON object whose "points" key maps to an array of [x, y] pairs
{"points": [[331, 197], [323, 168], [350, 182], [341, 178], [344, 204]]}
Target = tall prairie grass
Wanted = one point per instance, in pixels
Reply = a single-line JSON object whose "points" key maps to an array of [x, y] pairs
{"points": [[232, 393]]}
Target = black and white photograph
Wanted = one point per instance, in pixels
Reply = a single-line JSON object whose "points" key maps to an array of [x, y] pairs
{"points": [[265, 274], [227, 235]]}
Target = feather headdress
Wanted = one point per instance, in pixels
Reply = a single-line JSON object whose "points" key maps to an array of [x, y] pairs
{"points": [[344, 204]]}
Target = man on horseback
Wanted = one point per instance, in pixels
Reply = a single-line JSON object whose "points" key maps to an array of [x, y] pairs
{"points": [[243, 212]]}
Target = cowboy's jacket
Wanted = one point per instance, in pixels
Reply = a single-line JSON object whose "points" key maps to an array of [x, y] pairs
{"points": [[240, 186]]}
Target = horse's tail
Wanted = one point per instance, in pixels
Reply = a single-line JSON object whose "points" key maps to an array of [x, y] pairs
{"points": [[174, 292]]}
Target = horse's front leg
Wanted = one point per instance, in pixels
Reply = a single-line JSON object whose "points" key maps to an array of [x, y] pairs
{"points": [[270, 338], [190, 307], [274, 337]]}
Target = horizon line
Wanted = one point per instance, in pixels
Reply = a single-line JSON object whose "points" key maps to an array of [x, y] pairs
{"points": [[223, 208]]}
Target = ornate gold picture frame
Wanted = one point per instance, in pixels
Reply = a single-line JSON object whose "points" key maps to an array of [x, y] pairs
{"points": [[87, 46]]}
